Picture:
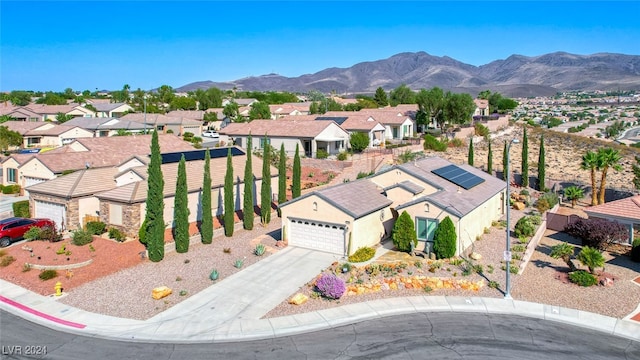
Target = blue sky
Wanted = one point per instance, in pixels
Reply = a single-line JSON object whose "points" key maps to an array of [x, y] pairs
{"points": [[84, 45]]}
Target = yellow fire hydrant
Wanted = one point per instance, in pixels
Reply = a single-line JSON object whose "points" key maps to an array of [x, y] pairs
{"points": [[58, 288]]}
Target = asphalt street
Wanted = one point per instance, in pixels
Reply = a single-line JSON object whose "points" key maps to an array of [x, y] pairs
{"points": [[412, 336]]}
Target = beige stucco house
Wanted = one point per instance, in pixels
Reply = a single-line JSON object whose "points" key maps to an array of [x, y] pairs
{"points": [[397, 124], [50, 112], [342, 218], [164, 124], [103, 126], [111, 110], [354, 122], [310, 136], [46, 134]]}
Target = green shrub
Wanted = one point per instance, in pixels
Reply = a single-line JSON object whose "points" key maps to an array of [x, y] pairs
{"points": [[6, 260], [363, 254], [47, 274], [322, 154], [524, 227], [342, 156], [546, 202], [456, 143], [50, 234], [11, 189], [582, 278], [95, 227], [363, 175], [635, 251], [431, 143], [81, 237], [116, 234], [445, 239], [33, 233], [21, 209], [403, 233], [359, 141]]}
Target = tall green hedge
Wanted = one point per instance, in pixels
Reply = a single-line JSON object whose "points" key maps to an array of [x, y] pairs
{"points": [[445, 239], [21, 209], [404, 233]]}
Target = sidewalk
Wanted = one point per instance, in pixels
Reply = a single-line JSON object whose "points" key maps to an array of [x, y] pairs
{"points": [[231, 309]]}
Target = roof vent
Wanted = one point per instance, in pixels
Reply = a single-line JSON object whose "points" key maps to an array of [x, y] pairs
{"points": [[87, 165]]}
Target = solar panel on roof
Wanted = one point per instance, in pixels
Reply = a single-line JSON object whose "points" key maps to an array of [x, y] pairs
{"points": [[458, 176], [174, 157]]}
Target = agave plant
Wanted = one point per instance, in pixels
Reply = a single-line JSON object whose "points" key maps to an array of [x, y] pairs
{"points": [[259, 250], [214, 275], [238, 264]]}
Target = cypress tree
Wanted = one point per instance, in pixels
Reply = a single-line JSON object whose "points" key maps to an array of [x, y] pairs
{"points": [[265, 188], [229, 206], [470, 155], [247, 205], [181, 210], [525, 159], [282, 177], [504, 162], [403, 234], [444, 239], [154, 217], [295, 186], [206, 226], [541, 166], [490, 160]]}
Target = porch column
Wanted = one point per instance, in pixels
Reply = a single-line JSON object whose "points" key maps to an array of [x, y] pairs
{"points": [[631, 233]]}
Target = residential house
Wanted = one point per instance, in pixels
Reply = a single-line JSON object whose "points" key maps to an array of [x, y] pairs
{"points": [[50, 112], [111, 110], [280, 111], [46, 134], [121, 200], [29, 169], [342, 218], [165, 124], [105, 126], [310, 136], [398, 126], [482, 107], [240, 102], [24, 114], [356, 122], [624, 211]]}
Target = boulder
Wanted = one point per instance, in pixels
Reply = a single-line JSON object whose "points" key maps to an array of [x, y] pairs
{"points": [[298, 299], [475, 256], [518, 205], [160, 292], [606, 281]]}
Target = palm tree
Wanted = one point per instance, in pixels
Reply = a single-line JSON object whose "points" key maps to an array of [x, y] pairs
{"points": [[590, 162], [607, 158], [573, 193], [591, 258]]}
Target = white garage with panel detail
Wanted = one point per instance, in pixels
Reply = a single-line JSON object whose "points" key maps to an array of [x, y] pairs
{"points": [[53, 211], [317, 236]]}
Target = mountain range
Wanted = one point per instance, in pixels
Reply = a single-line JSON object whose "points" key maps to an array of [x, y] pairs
{"points": [[515, 76]]}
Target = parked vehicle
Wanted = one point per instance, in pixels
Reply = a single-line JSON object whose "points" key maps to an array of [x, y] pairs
{"points": [[13, 229], [210, 134]]}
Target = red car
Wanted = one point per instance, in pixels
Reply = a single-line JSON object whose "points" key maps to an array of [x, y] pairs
{"points": [[13, 229]]}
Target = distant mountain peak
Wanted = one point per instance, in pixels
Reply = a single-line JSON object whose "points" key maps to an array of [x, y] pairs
{"points": [[517, 74]]}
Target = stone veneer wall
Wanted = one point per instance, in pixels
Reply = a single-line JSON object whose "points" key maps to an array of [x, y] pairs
{"points": [[72, 208], [130, 217]]}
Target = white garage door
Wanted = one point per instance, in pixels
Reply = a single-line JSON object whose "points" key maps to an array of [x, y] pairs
{"points": [[317, 236], [55, 212], [28, 181]]}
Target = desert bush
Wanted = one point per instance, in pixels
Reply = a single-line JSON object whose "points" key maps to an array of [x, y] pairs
{"points": [[525, 227], [362, 175], [6, 260], [33, 233], [481, 130], [583, 278], [81, 237], [444, 239], [456, 143], [50, 234], [598, 233], [47, 274], [431, 143], [330, 286], [342, 156], [116, 234], [95, 227], [546, 201], [363, 254], [359, 141], [21, 209], [322, 154]]}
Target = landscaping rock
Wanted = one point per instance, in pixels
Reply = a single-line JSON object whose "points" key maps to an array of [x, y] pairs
{"points": [[298, 299], [519, 205], [160, 292], [606, 281], [475, 256]]}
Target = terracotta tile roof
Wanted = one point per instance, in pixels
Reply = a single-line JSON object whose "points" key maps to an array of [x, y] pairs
{"points": [[7, 107], [107, 106], [481, 103], [23, 127], [627, 208], [107, 151], [189, 114], [385, 116], [80, 183], [137, 192], [53, 131], [23, 112], [19, 158], [104, 123], [159, 119], [359, 122], [51, 109], [287, 127]]}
